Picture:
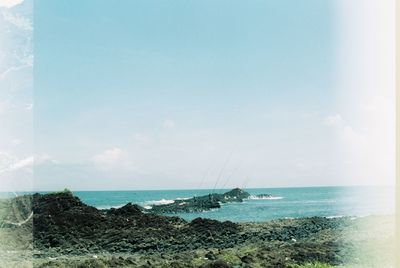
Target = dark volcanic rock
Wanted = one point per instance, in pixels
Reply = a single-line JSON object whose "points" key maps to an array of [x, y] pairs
{"points": [[55, 203], [127, 210], [264, 196], [235, 194], [62, 224], [201, 203], [195, 204], [62, 210], [208, 225], [61, 221]]}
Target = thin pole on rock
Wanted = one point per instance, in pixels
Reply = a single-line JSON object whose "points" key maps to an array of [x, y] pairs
{"points": [[222, 170]]}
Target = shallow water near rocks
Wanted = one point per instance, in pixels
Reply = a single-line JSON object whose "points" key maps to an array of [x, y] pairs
{"points": [[288, 202]]}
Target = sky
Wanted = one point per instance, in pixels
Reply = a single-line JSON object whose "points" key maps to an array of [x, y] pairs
{"points": [[16, 95], [211, 94]]}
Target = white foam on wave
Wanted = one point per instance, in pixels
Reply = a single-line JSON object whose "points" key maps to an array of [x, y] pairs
{"points": [[110, 206], [288, 218], [359, 216], [253, 197], [160, 202], [335, 216], [208, 210], [353, 217], [182, 198], [164, 201]]}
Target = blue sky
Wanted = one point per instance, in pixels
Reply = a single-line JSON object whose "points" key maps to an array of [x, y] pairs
{"points": [[181, 56], [161, 94]]}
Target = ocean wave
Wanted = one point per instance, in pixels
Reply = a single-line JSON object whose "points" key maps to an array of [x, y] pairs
{"points": [[313, 201], [208, 210], [359, 216], [335, 216], [110, 206], [159, 202], [254, 197], [353, 217], [183, 198]]}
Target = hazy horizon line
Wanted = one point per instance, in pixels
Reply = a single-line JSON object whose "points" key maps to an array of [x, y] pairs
{"points": [[194, 189]]}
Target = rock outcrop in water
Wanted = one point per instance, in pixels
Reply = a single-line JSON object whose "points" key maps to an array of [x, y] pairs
{"points": [[201, 203], [264, 196]]}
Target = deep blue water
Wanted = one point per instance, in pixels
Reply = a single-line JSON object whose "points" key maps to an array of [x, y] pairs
{"points": [[291, 202]]}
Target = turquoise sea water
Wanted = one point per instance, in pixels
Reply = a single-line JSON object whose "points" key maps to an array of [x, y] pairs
{"points": [[289, 202]]}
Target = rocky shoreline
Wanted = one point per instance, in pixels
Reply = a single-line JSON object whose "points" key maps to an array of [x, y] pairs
{"points": [[69, 233]]}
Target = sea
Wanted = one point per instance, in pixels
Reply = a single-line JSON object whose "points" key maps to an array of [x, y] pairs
{"points": [[339, 201], [357, 201]]}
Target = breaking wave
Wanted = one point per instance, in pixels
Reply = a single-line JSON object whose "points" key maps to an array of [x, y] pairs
{"points": [[254, 197], [160, 202], [110, 206]]}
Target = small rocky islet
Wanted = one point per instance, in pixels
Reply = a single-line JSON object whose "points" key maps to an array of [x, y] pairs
{"points": [[200, 203], [69, 233]]}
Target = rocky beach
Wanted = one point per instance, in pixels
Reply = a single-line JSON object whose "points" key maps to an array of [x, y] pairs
{"points": [[65, 232]]}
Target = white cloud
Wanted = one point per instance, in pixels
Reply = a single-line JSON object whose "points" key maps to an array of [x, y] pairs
{"points": [[10, 163], [168, 123], [25, 63], [109, 157], [333, 120], [18, 21], [10, 3], [114, 158], [43, 158], [345, 132], [368, 143], [24, 163]]}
